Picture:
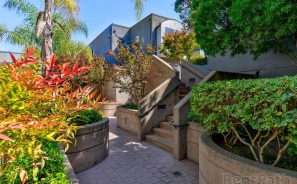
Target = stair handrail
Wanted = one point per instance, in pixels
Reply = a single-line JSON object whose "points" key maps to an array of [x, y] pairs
{"points": [[164, 88], [143, 110], [182, 107]]}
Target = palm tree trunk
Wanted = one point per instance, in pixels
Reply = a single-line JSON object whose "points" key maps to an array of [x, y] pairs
{"points": [[47, 43]]}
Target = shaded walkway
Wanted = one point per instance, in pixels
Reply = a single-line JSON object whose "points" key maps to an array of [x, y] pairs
{"points": [[134, 162]]}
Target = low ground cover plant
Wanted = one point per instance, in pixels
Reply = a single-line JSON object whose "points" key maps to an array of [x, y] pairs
{"points": [[257, 116]]}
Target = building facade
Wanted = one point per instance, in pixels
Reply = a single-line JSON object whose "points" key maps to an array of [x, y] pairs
{"points": [[149, 31]]}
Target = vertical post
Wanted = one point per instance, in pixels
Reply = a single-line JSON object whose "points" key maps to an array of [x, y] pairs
{"points": [[180, 113]]}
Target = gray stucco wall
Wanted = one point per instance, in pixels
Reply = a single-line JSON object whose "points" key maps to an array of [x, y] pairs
{"points": [[268, 65], [108, 40], [145, 30], [102, 43], [118, 32]]}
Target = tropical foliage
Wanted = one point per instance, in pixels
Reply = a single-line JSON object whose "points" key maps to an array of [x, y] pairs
{"points": [[245, 26], [133, 75], [28, 34], [32, 119], [257, 114]]}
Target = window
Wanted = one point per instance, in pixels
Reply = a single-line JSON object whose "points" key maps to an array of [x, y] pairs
{"points": [[169, 30]]}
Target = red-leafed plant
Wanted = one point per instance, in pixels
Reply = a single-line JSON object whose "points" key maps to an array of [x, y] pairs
{"points": [[56, 74], [28, 58]]}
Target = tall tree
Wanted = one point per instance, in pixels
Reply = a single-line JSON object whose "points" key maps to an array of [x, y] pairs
{"points": [[246, 26], [183, 7], [40, 26], [44, 24]]}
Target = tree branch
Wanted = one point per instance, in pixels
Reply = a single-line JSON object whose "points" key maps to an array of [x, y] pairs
{"points": [[262, 148], [245, 143]]}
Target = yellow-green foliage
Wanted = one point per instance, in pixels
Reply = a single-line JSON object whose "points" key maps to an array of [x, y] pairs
{"points": [[31, 126]]}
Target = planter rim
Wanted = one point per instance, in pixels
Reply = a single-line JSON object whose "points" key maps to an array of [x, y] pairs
{"points": [[207, 140], [109, 103], [104, 120], [132, 110]]}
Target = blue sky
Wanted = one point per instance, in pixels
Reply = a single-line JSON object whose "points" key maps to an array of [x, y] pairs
{"points": [[97, 14]]}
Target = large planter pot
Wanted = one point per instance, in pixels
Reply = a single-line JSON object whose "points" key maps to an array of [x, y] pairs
{"points": [[194, 132], [128, 119], [218, 166], [91, 146], [108, 108]]}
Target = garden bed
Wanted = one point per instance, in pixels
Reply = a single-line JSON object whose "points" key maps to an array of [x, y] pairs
{"points": [[255, 124], [218, 166], [91, 146]]}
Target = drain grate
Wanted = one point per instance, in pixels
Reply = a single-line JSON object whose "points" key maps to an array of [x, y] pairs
{"points": [[177, 173]]}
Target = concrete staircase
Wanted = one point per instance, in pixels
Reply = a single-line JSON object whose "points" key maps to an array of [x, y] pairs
{"points": [[163, 135]]}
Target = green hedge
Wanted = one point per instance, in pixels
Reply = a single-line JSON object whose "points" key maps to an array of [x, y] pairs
{"points": [[259, 114]]}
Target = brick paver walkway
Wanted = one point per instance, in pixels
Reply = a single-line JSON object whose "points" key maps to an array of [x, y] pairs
{"points": [[134, 162]]}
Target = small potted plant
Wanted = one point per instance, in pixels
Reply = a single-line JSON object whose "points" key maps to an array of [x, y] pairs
{"points": [[91, 140]]}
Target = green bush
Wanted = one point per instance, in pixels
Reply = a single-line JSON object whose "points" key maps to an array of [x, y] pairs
{"points": [[84, 117], [40, 161], [258, 114]]}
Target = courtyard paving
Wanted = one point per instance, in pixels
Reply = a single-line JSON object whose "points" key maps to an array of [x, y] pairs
{"points": [[134, 162]]}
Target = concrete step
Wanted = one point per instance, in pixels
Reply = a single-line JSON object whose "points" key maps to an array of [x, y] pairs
{"points": [[162, 132], [170, 118], [166, 125], [162, 143]]}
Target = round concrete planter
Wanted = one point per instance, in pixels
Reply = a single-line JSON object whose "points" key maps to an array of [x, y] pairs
{"points": [[91, 146], [218, 166]]}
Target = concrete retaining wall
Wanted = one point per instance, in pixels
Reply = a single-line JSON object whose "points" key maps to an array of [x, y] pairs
{"points": [[194, 132], [127, 119], [91, 146], [217, 166]]}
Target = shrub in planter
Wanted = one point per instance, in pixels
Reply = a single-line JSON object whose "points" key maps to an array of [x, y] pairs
{"points": [[91, 145], [84, 117], [255, 115], [133, 76], [132, 79]]}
